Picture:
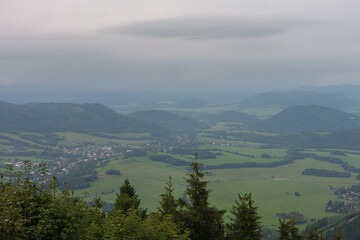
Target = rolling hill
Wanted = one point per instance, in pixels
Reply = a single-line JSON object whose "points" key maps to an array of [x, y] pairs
{"points": [[350, 90], [294, 98], [309, 118], [61, 117]]}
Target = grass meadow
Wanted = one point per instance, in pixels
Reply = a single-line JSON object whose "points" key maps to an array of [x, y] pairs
{"points": [[272, 188]]}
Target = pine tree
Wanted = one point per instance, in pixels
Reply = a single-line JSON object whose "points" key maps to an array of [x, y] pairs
{"points": [[168, 203], [203, 221], [127, 199], [288, 231], [313, 234], [246, 223]]}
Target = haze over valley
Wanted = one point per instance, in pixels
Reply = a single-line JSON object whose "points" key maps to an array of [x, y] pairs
{"points": [[255, 98]]}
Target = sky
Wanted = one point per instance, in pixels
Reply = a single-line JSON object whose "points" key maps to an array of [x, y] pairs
{"points": [[71, 47]]}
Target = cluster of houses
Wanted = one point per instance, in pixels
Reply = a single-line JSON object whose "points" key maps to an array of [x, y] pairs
{"points": [[71, 156]]}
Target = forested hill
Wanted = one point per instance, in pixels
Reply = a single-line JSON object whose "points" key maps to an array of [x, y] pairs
{"points": [[348, 223], [309, 118], [168, 120], [294, 98], [54, 117]]}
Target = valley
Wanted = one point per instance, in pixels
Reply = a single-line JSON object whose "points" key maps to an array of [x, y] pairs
{"points": [[239, 153]]}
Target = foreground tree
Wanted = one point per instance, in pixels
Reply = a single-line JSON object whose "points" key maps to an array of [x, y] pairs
{"points": [[203, 221], [127, 199], [168, 204], [313, 234], [131, 225], [246, 223], [288, 231], [32, 210]]}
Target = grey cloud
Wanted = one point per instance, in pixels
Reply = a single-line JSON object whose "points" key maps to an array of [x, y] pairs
{"points": [[208, 28]]}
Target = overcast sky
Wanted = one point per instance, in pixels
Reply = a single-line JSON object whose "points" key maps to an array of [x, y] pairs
{"points": [[108, 45]]}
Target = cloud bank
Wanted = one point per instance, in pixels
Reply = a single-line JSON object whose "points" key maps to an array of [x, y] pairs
{"points": [[207, 27]]}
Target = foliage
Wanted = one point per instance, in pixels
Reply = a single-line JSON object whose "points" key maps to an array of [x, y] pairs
{"points": [[127, 199], [80, 176], [246, 223], [342, 207], [313, 234], [325, 173], [264, 155], [168, 203], [203, 221], [288, 231], [31, 210], [298, 217], [113, 172], [189, 150], [130, 225], [135, 153]]}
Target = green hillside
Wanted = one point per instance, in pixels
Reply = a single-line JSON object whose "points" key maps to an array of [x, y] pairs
{"points": [[309, 118], [65, 117]]}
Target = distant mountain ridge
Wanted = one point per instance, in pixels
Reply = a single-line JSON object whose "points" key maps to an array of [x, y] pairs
{"points": [[309, 118], [53, 117], [349, 90], [295, 98]]}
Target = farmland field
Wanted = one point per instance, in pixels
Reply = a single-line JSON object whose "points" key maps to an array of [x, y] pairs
{"points": [[273, 188]]}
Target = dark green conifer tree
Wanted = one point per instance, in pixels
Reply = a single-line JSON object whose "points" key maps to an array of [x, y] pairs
{"points": [[168, 203], [128, 199], [203, 222], [313, 234], [245, 224], [288, 231]]}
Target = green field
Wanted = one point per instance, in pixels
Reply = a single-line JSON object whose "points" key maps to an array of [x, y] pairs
{"points": [[273, 188], [352, 159]]}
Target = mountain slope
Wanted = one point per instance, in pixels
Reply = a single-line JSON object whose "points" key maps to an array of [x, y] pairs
{"points": [[350, 90], [349, 225], [294, 98], [309, 118], [60, 117]]}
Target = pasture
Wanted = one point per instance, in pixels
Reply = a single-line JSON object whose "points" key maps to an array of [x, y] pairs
{"points": [[272, 188]]}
